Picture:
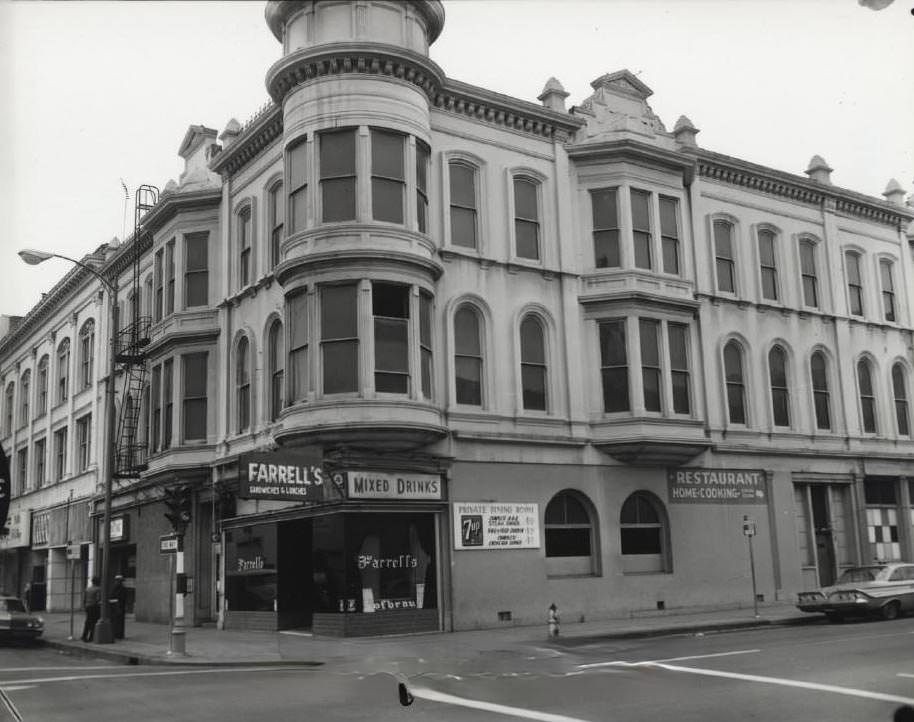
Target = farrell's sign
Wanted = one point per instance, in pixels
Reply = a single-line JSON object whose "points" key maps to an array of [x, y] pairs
{"points": [[717, 486], [286, 477]]}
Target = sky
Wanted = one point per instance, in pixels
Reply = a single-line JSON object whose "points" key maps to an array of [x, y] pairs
{"points": [[93, 94]]}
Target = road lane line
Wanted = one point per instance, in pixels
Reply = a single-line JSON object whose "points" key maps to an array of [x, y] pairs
{"points": [[905, 674], [443, 698], [672, 659], [10, 707], [815, 686], [4, 684], [52, 669]]}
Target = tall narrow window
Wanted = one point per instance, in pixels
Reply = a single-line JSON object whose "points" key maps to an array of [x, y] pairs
{"points": [[60, 453], [242, 386], [649, 331], [723, 257], [196, 270], [867, 397], [195, 397], [244, 247], [467, 357], [463, 204], [888, 289], [900, 392], [155, 418], [42, 391], [158, 280], [276, 366], [678, 334], [169, 281], [780, 396], [388, 177], [22, 472], [298, 185], [86, 354], [422, 154], [736, 389], [337, 174], [533, 364], [168, 384], [767, 264], [425, 342], [605, 208], [808, 272], [390, 307], [8, 406], [526, 218], [669, 234], [297, 319], [819, 374], [614, 366], [641, 228], [24, 392], [339, 339], [41, 453], [275, 219], [83, 426], [854, 283], [63, 371]]}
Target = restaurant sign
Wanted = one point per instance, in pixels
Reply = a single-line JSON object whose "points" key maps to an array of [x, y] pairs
{"points": [[382, 485], [717, 486], [287, 477], [496, 525]]}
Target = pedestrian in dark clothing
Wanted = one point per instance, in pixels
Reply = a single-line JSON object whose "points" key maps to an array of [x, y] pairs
{"points": [[118, 601], [92, 604]]}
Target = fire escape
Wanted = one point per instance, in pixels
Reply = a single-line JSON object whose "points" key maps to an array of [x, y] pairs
{"points": [[130, 356]]}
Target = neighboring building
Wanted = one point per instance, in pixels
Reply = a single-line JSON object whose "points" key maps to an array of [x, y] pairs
{"points": [[532, 355]]}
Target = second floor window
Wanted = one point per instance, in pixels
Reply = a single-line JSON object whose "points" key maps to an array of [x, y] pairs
{"points": [[900, 392], [463, 204], [245, 243], [390, 306], [526, 219], [195, 397], [83, 428], [819, 375], [297, 320], [40, 461], [468, 369], [867, 396], [533, 364], [736, 388], [854, 283], [63, 371], [780, 395], [614, 366], [651, 376], [767, 264], [339, 338], [243, 386], [196, 270], [276, 366], [60, 453], [8, 405], [678, 335], [724, 264], [888, 290], [158, 281]]}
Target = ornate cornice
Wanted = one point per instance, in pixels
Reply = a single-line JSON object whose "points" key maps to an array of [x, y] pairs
{"points": [[170, 204], [258, 135], [734, 171], [637, 151]]}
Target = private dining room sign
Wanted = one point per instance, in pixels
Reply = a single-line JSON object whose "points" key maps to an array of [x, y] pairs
{"points": [[496, 525]]}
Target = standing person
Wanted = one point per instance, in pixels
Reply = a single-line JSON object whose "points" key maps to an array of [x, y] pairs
{"points": [[92, 604], [118, 602]]}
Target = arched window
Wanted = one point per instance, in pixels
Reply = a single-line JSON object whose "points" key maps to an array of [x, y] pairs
{"points": [[780, 395], [63, 371], [736, 388], [644, 534], [463, 205], [900, 392], [526, 218], [818, 371], [808, 273], [86, 354], [468, 369], [42, 393], [243, 232], [276, 368], [867, 397], [533, 364], [568, 527], [275, 218], [243, 385], [724, 261], [24, 390], [8, 408]]}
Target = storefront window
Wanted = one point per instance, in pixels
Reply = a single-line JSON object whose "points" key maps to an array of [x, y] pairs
{"points": [[250, 568]]}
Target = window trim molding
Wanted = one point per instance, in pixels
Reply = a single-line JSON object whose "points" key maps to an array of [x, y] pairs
{"points": [[747, 376], [835, 398], [907, 369], [875, 377], [862, 256], [480, 168], [550, 353], [246, 204], [541, 181], [487, 346]]}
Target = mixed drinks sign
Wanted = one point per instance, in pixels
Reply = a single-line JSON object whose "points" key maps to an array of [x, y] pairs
{"points": [[717, 486], [381, 485], [496, 525]]}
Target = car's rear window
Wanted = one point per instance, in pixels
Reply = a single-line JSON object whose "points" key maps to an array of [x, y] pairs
{"points": [[860, 574], [11, 605]]}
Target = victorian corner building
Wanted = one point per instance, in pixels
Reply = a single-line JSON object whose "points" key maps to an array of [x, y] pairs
{"points": [[423, 356]]}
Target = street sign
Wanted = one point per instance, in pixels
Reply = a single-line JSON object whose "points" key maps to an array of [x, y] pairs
{"points": [[171, 543], [748, 526], [74, 551]]}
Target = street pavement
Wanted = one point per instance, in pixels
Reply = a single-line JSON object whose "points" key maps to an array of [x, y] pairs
{"points": [[148, 643]]}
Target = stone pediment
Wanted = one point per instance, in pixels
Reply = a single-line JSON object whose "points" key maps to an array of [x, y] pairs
{"points": [[618, 106]]}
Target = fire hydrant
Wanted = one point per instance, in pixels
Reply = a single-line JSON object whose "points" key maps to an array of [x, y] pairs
{"points": [[553, 621]]}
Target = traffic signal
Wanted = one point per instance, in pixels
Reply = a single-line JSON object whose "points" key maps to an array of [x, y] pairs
{"points": [[177, 507]]}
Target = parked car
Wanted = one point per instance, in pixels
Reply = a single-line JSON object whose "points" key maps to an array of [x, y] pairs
{"points": [[886, 590], [16, 622]]}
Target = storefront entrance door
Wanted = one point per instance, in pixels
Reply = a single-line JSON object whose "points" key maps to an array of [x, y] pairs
{"points": [[825, 546]]}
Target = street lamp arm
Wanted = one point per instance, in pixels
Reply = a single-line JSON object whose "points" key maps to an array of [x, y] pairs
{"points": [[34, 257]]}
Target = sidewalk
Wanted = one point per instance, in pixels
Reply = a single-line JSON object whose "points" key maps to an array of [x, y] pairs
{"points": [[148, 643]]}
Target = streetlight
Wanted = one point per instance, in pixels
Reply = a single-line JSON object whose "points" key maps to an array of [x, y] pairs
{"points": [[103, 630]]}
